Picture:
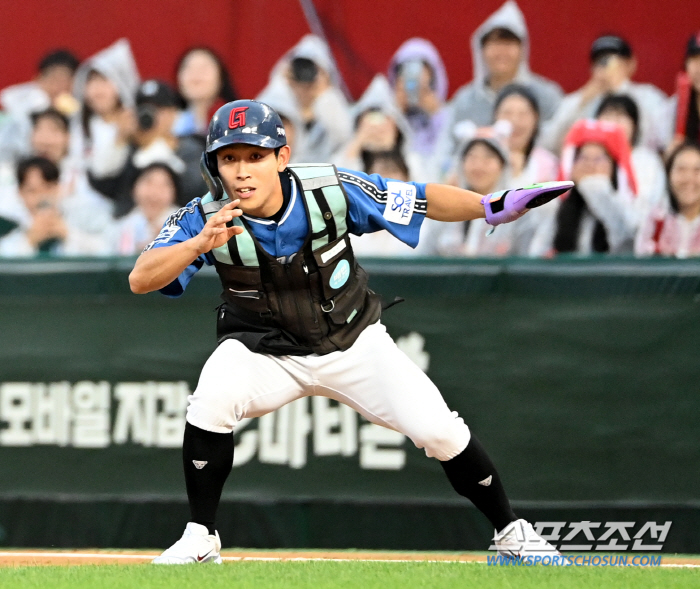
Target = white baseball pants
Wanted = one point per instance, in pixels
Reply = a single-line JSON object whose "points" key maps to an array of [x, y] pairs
{"points": [[373, 377]]}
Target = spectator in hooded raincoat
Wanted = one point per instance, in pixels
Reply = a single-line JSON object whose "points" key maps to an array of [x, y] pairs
{"points": [[380, 126], [313, 78], [419, 80], [501, 54], [106, 84]]}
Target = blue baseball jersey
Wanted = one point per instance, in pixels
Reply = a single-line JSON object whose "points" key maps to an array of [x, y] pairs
{"points": [[375, 204]]}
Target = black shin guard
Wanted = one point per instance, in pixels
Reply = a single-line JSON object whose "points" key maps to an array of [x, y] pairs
{"points": [[474, 476], [207, 458]]}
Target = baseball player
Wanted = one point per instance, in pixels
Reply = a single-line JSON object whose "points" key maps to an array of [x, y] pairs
{"points": [[298, 318]]}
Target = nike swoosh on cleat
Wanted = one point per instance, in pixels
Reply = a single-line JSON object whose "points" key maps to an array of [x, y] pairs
{"points": [[201, 558]]}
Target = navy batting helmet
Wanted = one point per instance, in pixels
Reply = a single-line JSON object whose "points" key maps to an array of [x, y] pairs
{"points": [[241, 121]]}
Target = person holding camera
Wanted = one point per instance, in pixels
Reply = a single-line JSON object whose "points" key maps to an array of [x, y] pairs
{"points": [[418, 77], [156, 109], [380, 126], [612, 66], [310, 73], [154, 141]]}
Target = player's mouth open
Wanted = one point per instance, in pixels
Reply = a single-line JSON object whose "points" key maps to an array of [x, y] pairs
{"points": [[245, 192]]}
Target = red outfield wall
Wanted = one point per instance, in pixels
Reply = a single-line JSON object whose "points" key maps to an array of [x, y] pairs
{"points": [[252, 34]]}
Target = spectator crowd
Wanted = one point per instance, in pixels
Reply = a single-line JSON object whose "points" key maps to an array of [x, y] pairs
{"points": [[93, 159]]}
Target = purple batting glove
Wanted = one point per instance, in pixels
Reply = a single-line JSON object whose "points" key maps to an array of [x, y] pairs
{"points": [[508, 205]]}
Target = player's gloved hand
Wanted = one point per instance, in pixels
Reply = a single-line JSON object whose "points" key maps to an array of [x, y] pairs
{"points": [[508, 205]]}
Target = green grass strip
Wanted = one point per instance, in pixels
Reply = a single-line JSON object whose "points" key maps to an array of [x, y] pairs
{"points": [[331, 575]]}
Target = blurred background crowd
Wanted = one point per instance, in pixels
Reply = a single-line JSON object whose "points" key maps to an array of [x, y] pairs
{"points": [[93, 158]]}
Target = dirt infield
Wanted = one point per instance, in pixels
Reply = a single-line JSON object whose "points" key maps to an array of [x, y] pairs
{"points": [[18, 557]]}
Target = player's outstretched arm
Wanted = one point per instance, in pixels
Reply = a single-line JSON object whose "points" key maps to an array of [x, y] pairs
{"points": [[449, 203], [158, 267]]}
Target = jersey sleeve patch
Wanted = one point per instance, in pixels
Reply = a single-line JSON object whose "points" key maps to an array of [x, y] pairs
{"points": [[166, 234], [401, 198], [180, 219]]}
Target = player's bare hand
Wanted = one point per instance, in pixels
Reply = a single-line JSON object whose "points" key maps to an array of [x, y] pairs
{"points": [[215, 232]]}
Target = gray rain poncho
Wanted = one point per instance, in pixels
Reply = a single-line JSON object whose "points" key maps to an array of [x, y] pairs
{"points": [[331, 126], [475, 100]]}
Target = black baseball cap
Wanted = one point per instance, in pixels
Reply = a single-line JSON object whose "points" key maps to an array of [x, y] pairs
{"points": [[157, 93], [693, 47], [610, 45], [303, 70]]}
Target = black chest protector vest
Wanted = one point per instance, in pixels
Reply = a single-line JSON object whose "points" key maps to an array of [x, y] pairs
{"points": [[315, 301]]}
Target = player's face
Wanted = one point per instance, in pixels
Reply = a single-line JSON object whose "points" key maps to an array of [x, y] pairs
{"points": [[685, 178], [251, 174]]}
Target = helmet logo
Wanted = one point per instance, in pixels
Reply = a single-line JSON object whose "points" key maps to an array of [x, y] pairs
{"points": [[237, 117]]}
